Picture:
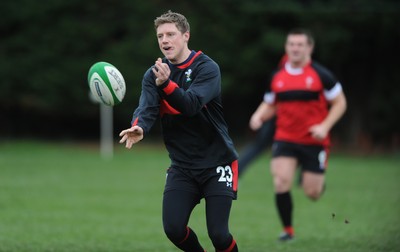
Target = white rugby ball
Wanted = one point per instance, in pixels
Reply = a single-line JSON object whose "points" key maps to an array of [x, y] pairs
{"points": [[106, 83]]}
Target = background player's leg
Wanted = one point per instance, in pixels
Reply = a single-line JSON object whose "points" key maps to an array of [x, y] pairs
{"points": [[313, 184], [177, 207], [217, 213], [314, 162], [283, 170]]}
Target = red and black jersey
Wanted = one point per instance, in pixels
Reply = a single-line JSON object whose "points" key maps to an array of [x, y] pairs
{"points": [[301, 96], [189, 104]]}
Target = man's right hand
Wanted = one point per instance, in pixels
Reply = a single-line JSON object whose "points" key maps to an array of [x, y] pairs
{"points": [[131, 136]]}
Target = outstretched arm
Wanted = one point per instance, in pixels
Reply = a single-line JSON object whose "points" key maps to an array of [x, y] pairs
{"points": [[131, 136]]}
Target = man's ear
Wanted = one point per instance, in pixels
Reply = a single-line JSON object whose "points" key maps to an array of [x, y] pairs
{"points": [[186, 36], [311, 49]]}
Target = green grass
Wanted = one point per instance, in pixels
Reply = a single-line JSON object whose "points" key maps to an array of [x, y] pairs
{"points": [[64, 197]]}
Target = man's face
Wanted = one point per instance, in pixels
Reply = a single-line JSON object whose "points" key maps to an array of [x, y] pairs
{"points": [[298, 49], [172, 42]]}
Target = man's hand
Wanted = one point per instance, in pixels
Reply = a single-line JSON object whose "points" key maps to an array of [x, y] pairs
{"points": [[161, 71], [263, 113], [255, 122], [319, 131], [338, 107], [131, 136]]}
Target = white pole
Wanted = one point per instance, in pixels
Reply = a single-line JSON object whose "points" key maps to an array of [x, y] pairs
{"points": [[106, 131]]}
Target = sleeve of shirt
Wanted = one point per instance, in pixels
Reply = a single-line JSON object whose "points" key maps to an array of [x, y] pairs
{"points": [[205, 86], [149, 104], [269, 95], [332, 87]]}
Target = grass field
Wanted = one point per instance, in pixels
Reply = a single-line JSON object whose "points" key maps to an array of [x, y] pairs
{"points": [[63, 197]]}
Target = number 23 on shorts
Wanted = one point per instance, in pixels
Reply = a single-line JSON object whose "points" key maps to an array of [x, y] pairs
{"points": [[228, 175]]}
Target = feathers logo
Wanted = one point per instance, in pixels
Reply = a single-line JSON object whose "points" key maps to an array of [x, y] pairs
{"points": [[188, 73]]}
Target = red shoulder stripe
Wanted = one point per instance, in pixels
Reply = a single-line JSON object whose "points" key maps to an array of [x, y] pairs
{"points": [[190, 61]]}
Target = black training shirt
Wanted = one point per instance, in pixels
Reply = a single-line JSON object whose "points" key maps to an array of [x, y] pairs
{"points": [[189, 104]]}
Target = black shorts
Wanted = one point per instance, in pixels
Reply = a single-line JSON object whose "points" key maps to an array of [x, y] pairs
{"points": [[220, 180], [313, 158]]}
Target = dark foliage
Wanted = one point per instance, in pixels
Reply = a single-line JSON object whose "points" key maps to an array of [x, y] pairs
{"points": [[48, 46]]}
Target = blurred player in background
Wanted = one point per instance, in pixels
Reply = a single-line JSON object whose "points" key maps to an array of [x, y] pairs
{"points": [[307, 101], [184, 89], [262, 140]]}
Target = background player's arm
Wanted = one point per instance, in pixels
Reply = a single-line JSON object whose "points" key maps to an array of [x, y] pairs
{"points": [[263, 113], [336, 111]]}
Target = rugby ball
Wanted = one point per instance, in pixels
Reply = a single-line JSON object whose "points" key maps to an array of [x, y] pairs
{"points": [[106, 83]]}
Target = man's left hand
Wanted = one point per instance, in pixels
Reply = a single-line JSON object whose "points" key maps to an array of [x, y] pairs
{"points": [[161, 71]]}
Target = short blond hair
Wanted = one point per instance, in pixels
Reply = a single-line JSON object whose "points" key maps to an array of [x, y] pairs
{"points": [[173, 17]]}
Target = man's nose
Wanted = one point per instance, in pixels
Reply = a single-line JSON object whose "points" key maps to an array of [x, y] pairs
{"points": [[164, 39]]}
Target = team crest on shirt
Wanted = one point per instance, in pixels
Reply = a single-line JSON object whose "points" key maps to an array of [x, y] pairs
{"points": [[188, 73], [280, 84], [309, 81]]}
